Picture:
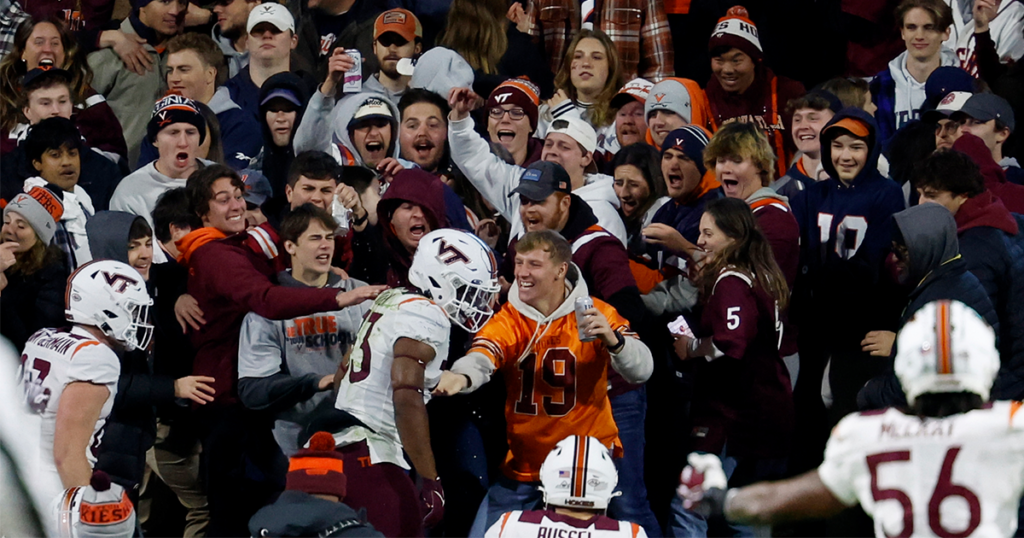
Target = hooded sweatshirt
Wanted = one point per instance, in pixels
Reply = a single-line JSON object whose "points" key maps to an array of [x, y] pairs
{"points": [[779, 227], [937, 270], [132, 422], [369, 262], [274, 161], [1011, 194], [324, 126], [684, 213], [496, 179], [899, 95], [993, 249], [764, 105], [845, 235], [518, 331]]}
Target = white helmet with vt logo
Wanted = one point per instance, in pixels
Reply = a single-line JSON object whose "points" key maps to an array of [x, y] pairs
{"points": [[111, 296], [458, 271]]}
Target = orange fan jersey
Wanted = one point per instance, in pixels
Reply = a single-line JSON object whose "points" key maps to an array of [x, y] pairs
{"points": [[557, 385]]}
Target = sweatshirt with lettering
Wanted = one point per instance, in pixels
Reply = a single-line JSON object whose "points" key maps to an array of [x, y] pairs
{"points": [[280, 362]]}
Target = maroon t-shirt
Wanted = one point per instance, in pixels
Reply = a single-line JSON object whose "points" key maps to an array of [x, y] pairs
{"points": [[742, 398]]}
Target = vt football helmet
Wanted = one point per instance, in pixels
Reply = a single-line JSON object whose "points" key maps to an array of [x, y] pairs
{"points": [[579, 473], [946, 347], [111, 296], [458, 271]]}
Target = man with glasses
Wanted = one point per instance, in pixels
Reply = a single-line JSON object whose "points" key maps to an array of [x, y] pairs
{"points": [[947, 129]]}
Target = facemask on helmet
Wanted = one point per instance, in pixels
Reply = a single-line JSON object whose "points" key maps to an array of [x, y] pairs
{"points": [[458, 271], [111, 296], [946, 347], [579, 473]]}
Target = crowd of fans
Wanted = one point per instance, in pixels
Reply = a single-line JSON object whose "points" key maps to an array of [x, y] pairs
{"points": [[764, 233]]}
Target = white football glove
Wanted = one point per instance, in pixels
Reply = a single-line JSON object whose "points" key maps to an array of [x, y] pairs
{"points": [[702, 485]]}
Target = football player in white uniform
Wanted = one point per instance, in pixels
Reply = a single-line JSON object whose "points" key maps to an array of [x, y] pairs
{"points": [[396, 359], [950, 465], [578, 478], [69, 376]]}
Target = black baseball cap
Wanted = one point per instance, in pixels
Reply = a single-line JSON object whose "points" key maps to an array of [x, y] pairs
{"points": [[541, 179], [986, 107], [45, 69]]}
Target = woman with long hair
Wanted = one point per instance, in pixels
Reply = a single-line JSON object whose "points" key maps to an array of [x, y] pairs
{"points": [[742, 404], [589, 78], [33, 270], [42, 42], [640, 189], [479, 31]]}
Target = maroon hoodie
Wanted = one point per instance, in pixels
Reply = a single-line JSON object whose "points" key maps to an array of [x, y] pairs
{"points": [[421, 188], [1011, 194], [985, 210]]}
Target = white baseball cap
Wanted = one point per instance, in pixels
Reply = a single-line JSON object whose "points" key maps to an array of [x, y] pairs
{"points": [[275, 14], [578, 129], [952, 102]]}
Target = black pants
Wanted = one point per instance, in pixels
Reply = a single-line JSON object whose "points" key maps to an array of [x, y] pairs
{"points": [[241, 465]]}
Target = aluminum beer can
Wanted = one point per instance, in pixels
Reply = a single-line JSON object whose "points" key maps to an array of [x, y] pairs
{"points": [[582, 305]]}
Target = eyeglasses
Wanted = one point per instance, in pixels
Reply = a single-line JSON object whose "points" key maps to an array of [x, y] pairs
{"points": [[515, 113], [948, 127]]}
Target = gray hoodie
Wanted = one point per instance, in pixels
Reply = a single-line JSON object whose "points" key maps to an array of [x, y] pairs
{"points": [[929, 232], [108, 235], [325, 124]]}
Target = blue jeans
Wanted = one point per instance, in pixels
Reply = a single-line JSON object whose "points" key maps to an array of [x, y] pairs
{"points": [[630, 410], [686, 523], [505, 495]]}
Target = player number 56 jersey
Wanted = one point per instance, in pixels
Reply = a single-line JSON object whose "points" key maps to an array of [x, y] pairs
{"points": [[958, 476], [365, 391]]}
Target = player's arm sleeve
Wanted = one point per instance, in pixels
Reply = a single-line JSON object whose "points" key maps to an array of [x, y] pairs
{"points": [[634, 361], [262, 382], [733, 314], [843, 464], [491, 176]]}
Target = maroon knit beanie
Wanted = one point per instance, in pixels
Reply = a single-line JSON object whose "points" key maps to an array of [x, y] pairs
{"points": [[318, 469], [519, 92], [736, 29]]}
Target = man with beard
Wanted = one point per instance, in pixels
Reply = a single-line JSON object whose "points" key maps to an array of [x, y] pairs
{"points": [[630, 124], [423, 131], [397, 34], [230, 31]]}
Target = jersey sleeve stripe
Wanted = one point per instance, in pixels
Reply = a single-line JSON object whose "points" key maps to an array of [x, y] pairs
{"points": [[635, 528], [1014, 407], [411, 299], [504, 520], [82, 345]]}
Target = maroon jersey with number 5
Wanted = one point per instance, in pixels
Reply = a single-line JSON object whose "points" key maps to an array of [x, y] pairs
{"points": [[742, 396]]}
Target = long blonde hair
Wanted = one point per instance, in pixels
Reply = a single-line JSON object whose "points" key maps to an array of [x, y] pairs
{"points": [[600, 113], [476, 30]]}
